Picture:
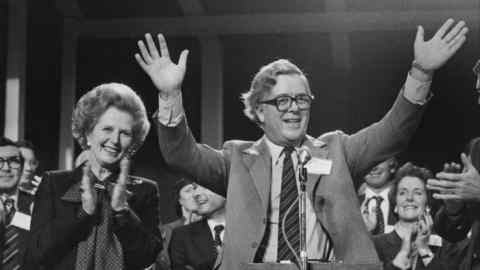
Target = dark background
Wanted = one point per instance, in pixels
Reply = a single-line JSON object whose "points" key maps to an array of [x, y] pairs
{"points": [[346, 100]]}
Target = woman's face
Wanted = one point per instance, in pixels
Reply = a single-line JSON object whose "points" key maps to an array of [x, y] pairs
{"points": [[411, 198], [111, 137]]}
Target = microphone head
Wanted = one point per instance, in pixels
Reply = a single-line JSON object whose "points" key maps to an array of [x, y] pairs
{"points": [[476, 68], [304, 155]]}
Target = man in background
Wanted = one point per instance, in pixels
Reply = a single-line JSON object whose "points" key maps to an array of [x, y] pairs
{"points": [[15, 206], [375, 205], [198, 244], [186, 208]]}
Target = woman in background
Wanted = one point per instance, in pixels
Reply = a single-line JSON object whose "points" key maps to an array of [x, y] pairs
{"points": [[411, 245]]}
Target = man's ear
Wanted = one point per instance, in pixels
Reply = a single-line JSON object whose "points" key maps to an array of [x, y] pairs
{"points": [[260, 113]]}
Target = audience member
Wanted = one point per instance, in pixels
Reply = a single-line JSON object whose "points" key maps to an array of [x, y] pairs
{"points": [[15, 206], [260, 176], [458, 220], [186, 208], [30, 180], [375, 205], [411, 244], [97, 216], [198, 244]]}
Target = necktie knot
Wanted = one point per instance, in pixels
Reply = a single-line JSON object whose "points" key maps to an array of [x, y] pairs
{"points": [[218, 230], [8, 204], [379, 199], [288, 150]]}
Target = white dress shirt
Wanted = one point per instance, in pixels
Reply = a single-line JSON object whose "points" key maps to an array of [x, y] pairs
{"points": [[315, 235], [384, 206]]}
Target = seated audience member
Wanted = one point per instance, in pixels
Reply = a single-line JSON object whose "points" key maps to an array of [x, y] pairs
{"points": [[411, 244], [375, 205], [30, 181], [197, 245], [97, 216], [15, 206], [186, 208], [458, 220], [258, 176]]}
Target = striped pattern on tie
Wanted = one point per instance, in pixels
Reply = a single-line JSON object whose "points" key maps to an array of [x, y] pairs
{"points": [[10, 259], [288, 196], [380, 227]]}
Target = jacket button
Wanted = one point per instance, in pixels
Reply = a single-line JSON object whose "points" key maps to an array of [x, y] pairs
{"points": [[254, 244], [264, 221]]}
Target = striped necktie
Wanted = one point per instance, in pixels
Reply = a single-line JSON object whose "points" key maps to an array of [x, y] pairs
{"points": [[288, 199], [380, 228], [10, 257]]}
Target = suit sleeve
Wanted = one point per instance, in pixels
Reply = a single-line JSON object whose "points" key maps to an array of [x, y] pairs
{"points": [[209, 166], [176, 251], [53, 235], [138, 231], [382, 139], [453, 228]]}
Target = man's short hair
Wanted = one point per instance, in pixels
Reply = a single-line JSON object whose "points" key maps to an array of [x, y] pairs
{"points": [[264, 81], [27, 144], [4, 141]]}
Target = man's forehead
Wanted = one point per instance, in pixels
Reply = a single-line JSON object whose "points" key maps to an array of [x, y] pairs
{"points": [[287, 83], [9, 151]]}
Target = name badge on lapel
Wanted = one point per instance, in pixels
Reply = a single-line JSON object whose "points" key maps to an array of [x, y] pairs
{"points": [[21, 221], [319, 166]]}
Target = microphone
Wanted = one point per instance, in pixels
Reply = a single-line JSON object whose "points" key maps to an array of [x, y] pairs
{"points": [[304, 155], [476, 71]]}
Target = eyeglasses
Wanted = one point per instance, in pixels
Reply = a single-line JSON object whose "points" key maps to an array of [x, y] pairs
{"points": [[284, 102], [13, 162]]}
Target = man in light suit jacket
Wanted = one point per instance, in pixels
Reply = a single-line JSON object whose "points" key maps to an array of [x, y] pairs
{"points": [[251, 173]]}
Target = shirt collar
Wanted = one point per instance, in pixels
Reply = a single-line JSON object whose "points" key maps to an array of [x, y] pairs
{"points": [[276, 150], [14, 197], [212, 223], [370, 193]]}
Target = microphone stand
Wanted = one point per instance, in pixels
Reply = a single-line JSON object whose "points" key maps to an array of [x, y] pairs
{"points": [[302, 205]]}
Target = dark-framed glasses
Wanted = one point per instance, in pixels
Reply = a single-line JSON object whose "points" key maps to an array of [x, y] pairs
{"points": [[284, 102], [12, 162]]}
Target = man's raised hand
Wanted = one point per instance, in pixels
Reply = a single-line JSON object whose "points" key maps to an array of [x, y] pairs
{"points": [[165, 74], [432, 54]]}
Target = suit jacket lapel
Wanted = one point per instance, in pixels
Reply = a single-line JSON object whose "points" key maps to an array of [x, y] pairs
{"points": [[202, 237], [318, 149], [259, 163]]}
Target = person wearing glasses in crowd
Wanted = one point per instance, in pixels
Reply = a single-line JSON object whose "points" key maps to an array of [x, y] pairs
{"points": [[15, 206], [97, 216], [259, 179]]}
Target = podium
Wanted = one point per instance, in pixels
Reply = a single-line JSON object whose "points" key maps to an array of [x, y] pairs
{"points": [[311, 266]]}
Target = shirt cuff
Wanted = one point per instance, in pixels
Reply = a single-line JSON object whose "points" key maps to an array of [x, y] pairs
{"points": [[417, 92], [170, 111]]}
